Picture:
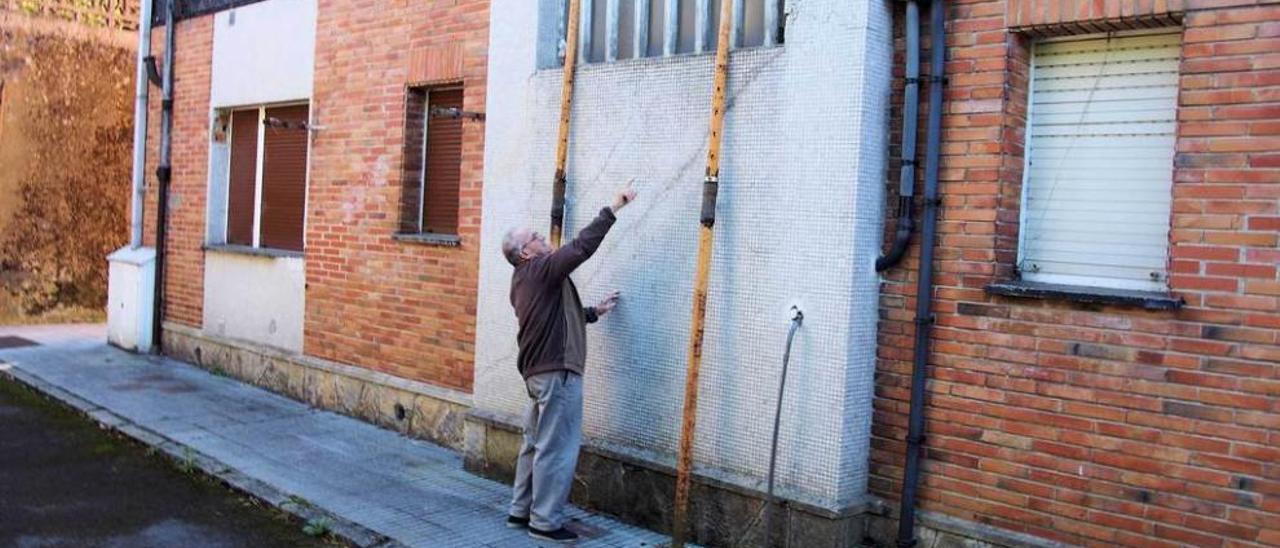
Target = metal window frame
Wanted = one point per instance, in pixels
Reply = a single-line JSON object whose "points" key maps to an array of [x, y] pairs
{"points": [[704, 35], [257, 178], [226, 184], [422, 169]]}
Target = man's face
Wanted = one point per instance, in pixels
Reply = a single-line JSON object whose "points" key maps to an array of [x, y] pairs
{"points": [[535, 245]]}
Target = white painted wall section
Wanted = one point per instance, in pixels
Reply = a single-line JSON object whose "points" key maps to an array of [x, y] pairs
{"points": [[255, 299], [216, 203], [800, 220], [263, 53]]}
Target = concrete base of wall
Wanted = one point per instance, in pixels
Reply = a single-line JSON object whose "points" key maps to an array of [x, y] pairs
{"points": [[723, 514], [411, 408], [641, 492], [636, 491], [941, 531]]}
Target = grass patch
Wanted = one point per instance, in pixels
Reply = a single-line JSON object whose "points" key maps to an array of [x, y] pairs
{"points": [[317, 527], [187, 464], [105, 448]]}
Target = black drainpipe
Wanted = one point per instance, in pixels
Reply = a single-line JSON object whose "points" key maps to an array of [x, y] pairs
{"points": [[924, 286], [910, 112], [163, 174]]}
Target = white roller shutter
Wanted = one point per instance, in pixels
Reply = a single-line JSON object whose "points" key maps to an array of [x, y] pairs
{"points": [[1099, 173]]}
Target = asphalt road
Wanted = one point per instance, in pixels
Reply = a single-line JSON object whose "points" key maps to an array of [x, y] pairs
{"points": [[65, 482]]}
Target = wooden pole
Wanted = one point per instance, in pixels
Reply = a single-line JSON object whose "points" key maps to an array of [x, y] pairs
{"points": [[566, 103], [710, 189]]}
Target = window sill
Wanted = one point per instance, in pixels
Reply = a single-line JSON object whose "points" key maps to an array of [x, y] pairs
{"points": [[1149, 300], [253, 251], [429, 238]]}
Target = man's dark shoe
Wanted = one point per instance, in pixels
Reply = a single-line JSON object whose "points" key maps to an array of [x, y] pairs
{"points": [[561, 535], [517, 523]]}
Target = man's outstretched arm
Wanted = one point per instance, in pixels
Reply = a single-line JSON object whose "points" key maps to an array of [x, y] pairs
{"points": [[563, 261]]}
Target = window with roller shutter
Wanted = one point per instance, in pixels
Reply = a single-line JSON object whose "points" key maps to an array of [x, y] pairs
{"points": [[1099, 172], [266, 190], [433, 161]]}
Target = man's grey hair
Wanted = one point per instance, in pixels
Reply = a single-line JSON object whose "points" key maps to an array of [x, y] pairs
{"points": [[511, 247]]}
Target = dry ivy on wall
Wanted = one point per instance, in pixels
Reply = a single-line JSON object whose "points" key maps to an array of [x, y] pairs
{"points": [[77, 119], [118, 14]]}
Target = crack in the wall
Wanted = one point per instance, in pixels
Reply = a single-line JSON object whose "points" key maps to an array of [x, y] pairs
{"points": [[684, 174]]}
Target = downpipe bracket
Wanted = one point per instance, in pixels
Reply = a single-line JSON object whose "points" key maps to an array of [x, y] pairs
{"points": [[153, 72], [944, 80]]}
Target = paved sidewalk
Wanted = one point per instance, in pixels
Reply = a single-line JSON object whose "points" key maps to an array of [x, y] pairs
{"points": [[375, 486]]}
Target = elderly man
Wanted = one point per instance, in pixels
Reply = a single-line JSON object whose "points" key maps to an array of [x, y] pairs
{"points": [[553, 352]]}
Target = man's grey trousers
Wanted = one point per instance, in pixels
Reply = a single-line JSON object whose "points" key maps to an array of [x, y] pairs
{"points": [[549, 454]]}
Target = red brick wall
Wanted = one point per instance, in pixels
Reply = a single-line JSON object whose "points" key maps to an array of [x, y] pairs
{"points": [[184, 263], [1101, 425], [402, 308], [1092, 15]]}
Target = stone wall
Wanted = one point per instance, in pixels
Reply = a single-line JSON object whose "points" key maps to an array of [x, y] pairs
{"points": [[65, 113], [408, 407]]}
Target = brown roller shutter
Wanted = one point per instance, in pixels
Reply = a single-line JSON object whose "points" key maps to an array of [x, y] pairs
{"points": [[284, 179], [444, 165], [243, 177]]}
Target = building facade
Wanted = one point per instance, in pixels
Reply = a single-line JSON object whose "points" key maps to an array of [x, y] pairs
{"points": [[300, 244], [1103, 354]]}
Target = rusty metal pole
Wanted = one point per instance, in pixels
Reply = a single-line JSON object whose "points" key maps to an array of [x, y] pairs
{"points": [[566, 103], [710, 188]]}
